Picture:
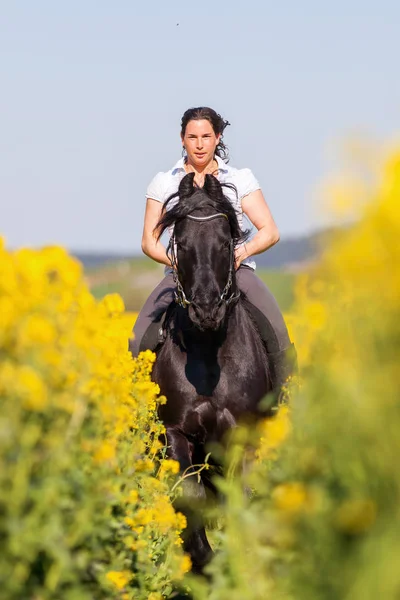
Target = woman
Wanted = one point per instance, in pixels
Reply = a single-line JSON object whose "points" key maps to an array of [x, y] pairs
{"points": [[205, 152]]}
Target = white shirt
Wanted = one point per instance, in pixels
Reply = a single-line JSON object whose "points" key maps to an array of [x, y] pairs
{"points": [[164, 184]]}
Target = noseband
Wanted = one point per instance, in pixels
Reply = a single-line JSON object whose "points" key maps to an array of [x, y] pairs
{"points": [[180, 296]]}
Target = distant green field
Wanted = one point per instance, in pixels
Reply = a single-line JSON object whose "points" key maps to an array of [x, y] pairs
{"points": [[281, 284], [135, 279]]}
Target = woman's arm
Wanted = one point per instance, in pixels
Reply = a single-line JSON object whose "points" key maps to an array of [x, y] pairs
{"points": [[256, 209], [150, 245]]}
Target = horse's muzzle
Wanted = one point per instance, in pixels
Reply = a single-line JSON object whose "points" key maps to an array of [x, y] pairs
{"points": [[206, 316]]}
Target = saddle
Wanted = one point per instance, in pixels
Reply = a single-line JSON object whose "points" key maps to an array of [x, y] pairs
{"points": [[155, 335]]}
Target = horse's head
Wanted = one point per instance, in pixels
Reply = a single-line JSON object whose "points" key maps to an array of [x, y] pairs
{"points": [[206, 231]]}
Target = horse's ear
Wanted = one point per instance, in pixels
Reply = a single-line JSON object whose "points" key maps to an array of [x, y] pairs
{"points": [[171, 215], [213, 187], [186, 186]]}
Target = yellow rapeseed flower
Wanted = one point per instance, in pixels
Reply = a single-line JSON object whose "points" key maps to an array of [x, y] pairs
{"points": [[66, 354], [155, 596], [25, 384], [274, 432], [185, 565], [132, 497], [355, 516], [169, 467], [119, 578], [112, 304], [290, 497], [105, 452]]}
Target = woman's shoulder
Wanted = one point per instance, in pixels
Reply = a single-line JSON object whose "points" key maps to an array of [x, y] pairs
{"points": [[155, 189], [244, 180], [239, 173], [161, 185]]}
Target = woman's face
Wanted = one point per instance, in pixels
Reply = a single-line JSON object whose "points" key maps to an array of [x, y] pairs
{"points": [[200, 142]]}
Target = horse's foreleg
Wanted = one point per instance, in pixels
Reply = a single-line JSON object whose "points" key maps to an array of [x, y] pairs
{"points": [[195, 539]]}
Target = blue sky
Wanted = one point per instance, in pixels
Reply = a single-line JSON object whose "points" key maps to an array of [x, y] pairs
{"points": [[92, 93]]}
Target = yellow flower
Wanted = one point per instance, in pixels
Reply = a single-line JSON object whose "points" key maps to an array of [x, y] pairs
{"points": [[143, 516], [180, 521], [290, 497], [132, 497], [66, 354], [169, 466], [163, 514], [119, 578], [32, 388], [105, 453], [8, 314], [274, 432], [25, 384], [185, 565], [316, 315], [112, 304], [355, 516], [138, 545], [144, 464], [36, 331]]}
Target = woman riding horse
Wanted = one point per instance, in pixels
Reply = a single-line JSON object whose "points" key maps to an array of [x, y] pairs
{"points": [[205, 153], [225, 338]]}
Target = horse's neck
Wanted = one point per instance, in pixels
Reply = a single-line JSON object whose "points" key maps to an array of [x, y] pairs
{"points": [[203, 343], [208, 343]]}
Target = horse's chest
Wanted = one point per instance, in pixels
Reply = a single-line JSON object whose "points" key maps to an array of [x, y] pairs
{"points": [[208, 390], [228, 381]]}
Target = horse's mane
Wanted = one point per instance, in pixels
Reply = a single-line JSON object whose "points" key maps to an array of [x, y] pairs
{"points": [[191, 198]]}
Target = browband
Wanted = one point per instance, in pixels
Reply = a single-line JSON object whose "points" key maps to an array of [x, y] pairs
{"points": [[208, 218]]}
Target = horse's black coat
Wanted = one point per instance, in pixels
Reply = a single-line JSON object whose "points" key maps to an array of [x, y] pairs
{"points": [[213, 366]]}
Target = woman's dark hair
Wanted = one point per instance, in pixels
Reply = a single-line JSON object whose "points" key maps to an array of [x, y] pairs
{"points": [[217, 122]]}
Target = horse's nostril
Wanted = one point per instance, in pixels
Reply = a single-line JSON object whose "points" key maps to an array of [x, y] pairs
{"points": [[219, 311], [196, 312], [207, 315], [197, 309]]}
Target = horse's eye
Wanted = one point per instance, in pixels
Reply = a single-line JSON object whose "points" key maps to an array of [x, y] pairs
{"points": [[226, 244]]}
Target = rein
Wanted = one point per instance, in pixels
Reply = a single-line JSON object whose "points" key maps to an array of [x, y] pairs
{"points": [[180, 296]]}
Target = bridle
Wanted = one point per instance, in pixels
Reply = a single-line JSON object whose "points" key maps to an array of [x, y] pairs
{"points": [[180, 296]]}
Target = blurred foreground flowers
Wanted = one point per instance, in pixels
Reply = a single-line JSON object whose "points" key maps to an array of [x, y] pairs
{"points": [[85, 504], [82, 492], [322, 521]]}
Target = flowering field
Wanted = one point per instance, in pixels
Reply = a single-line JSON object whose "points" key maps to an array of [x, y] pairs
{"points": [[323, 521], [85, 508], [86, 495]]}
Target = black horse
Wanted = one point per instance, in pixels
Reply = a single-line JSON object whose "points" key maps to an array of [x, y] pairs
{"points": [[213, 365]]}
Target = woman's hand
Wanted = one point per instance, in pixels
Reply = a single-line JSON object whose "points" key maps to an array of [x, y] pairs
{"points": [[240, 255]]}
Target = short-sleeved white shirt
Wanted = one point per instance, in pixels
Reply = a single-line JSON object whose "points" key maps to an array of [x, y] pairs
{"points": [[164, 184]]}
